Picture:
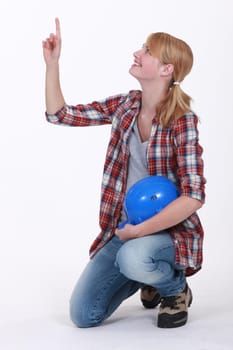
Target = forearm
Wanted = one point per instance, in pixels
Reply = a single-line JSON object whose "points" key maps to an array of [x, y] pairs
{"points": [[176, 212], [173, 214], [53, 95]]}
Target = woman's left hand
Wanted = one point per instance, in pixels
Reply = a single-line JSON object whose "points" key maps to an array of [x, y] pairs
{"points": [[127, 232]]}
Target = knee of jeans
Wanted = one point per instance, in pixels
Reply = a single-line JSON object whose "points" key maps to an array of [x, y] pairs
{"points": [[135, 265], [127, 261], [82, 317]]}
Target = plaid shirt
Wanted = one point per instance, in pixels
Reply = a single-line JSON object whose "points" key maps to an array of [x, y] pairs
{"points": [[173, 152]]}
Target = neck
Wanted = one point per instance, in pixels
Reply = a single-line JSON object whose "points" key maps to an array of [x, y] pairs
{"points": [[151, 97]]}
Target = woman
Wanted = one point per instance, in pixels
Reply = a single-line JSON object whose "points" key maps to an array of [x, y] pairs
{"points": [[154, 132]]}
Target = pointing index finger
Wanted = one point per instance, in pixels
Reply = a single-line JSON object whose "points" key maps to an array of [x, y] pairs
{"points": [[58, 28]]}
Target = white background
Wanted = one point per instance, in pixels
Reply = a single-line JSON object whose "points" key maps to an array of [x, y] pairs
{"points": [[50, 175]]}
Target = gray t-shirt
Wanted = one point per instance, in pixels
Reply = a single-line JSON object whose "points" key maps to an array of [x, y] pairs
{"points": [[137, 167]]}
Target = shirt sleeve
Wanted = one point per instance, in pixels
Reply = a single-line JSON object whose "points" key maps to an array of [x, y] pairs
{"points": [[189, 157], [95, 113]]}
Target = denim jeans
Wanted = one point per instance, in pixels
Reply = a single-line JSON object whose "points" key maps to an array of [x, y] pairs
{"points": [[118, 270]]}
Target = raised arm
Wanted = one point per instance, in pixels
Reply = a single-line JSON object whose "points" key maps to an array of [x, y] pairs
{"points": [[51, 50]]}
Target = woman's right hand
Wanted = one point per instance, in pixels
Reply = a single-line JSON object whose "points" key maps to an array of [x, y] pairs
{"points": [[52, 45]]}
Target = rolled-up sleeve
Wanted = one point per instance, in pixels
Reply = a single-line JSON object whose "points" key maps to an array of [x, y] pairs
{"points": [[95, 113], [189, 157]]}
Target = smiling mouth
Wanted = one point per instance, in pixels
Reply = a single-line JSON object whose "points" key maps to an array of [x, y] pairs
{"points": [[135, 64]]}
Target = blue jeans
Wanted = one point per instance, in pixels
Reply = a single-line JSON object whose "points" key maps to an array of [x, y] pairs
{"points": [[118, 270]]}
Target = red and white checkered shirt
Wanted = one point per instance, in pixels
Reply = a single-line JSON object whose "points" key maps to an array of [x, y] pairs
{"points": [[172, 151]]}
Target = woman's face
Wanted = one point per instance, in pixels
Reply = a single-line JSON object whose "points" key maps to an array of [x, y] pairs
{"points": [[145, 67]]}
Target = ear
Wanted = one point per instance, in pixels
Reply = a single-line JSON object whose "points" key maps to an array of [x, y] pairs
{"points": [[167, 70]]}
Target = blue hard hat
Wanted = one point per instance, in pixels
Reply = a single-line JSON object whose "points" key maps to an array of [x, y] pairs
{"points": [[148, 197]]}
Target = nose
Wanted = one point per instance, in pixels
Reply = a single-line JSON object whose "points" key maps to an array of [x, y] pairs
{"points": [[137, 53]]}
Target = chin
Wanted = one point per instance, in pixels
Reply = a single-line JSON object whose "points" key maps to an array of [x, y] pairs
{"points": [[131, 72]]}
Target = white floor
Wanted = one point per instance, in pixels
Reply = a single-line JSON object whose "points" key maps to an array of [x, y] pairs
{"points": [[210, 327]]}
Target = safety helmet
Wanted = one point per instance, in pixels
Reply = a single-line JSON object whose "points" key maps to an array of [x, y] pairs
{"points": [[148, 197]]}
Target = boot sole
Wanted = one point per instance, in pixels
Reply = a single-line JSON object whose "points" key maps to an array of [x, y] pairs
{"points": [[168, 321]]}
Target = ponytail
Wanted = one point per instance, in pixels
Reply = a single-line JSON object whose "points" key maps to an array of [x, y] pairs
{"points": [[170, 49], [173, 106]]}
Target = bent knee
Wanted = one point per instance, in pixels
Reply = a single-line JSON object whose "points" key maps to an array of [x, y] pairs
{"points": [[82, 317], [128, 261], [139, 265]]}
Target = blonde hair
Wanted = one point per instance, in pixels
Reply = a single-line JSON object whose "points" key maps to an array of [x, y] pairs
{"points": [[171, 50]]}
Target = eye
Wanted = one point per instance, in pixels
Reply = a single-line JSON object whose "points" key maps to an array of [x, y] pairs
{"points": [[147, 50]]}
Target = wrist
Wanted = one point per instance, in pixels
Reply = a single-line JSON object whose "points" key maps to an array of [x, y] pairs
{"points": [[52, 65], [145, 228], [139, 230]]}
